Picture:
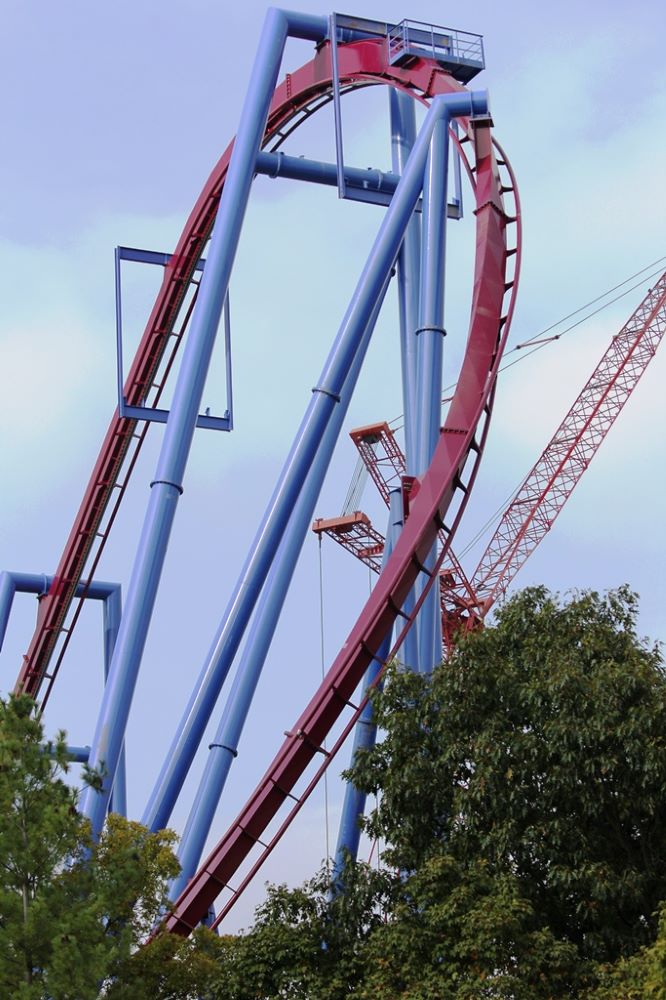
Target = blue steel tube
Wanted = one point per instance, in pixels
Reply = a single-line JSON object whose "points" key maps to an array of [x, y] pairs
{"points": [[365, 732], [429, 359], [7, 591], [111, 621], [110, 594], [224, 748], [40, 584], [166, 487], [326, 396], [403, 136]]}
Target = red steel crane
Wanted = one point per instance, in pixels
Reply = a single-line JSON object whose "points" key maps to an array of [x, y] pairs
{"points": [[545, 489]]}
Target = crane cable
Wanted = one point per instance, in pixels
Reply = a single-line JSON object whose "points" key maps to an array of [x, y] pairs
{"points": [[539, 340], [501, 509], [323, 673]]}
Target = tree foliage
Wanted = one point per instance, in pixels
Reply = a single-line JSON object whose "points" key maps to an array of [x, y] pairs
{"points": [[522, 801], [540, 749], [73, 912]]}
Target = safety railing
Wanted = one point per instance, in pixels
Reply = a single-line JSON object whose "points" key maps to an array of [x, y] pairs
{"points": [[454, 49]]}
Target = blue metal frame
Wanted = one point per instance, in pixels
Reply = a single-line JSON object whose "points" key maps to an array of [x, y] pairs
{"points": [[429, 354], [296, 487], [337, 109], [166, 487], [12, 583], [153, 413], [375, 187]]}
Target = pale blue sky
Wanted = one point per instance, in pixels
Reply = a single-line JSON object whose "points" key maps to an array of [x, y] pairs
{"points": [[112, 118]]}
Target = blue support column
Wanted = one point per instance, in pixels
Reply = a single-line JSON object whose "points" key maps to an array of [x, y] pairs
{"points": [[403, 136], [326, 398], [224, 748], [429, 360], [365, 732], [112, 617], [166, 487]]}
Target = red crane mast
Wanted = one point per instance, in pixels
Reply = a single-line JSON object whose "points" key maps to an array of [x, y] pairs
{"points": [[545, 489]]}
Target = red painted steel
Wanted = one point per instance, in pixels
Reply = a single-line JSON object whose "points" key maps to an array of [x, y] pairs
{"points": [[300, 95], [355, 533], [446, 479], [381, 456], [553, 478]]}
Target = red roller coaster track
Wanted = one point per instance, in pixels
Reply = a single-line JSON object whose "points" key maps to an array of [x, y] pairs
{"points": [[302, 93], [441, 493], [449, 478], [544, 491]]}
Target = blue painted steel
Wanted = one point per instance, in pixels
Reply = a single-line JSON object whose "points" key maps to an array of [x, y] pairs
{"points": [[429, 361], [112, 618], [403, 136], [365, 732], [429, 350], [97, 590], [166, 487], [227, 354], [454, 209], [326, 397], [12, 583], [337, 110], [224, 748], [79, 755], [374, 186], [154, 413], [151, 257]]}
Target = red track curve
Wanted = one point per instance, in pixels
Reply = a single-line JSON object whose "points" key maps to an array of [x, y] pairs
{"points": [[449, 476], [445, 479], [360, 64]]}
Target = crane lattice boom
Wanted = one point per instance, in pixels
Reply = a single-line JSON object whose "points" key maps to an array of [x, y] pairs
{"points": [[553, 478], [545, 490]]}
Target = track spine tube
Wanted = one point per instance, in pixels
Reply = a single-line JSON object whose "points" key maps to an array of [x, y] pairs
{"points": [[223, 749], [365, 733], [167, 483], [313, 426]]}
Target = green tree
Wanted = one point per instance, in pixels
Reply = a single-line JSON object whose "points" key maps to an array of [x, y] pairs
{"points": [[72, 912], [522, 802], [306, 943], [537, 752]]}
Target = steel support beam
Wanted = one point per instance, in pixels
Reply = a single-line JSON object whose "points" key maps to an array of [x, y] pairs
{"points": [[110, 595], [326, 397], [403, 136], [429, 353], [166, 486], [224, 748], [365, 733]]}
